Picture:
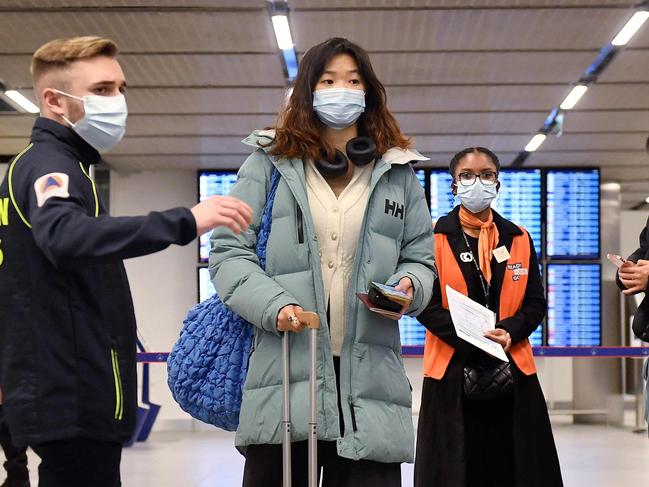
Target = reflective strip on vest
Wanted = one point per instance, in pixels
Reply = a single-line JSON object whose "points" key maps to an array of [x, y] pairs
{"points": [[437, 353]]}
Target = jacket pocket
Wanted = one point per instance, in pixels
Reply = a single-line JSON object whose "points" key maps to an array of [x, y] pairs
{"points": [[119, 393], [300, 224], [353, 415]]}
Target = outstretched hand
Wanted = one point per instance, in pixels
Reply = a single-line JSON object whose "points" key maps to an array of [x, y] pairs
{"points": [[222, 211]]}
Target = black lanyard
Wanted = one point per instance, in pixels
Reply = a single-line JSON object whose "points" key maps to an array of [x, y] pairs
{"points": [[483, 282]]}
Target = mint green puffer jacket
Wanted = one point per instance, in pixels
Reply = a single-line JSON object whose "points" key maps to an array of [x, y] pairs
{"points": [[375, 392]]}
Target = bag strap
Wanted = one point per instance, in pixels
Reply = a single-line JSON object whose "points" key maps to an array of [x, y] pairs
{"points": [[267, 218]]}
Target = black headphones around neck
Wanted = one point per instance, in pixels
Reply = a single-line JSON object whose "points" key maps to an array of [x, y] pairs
{"points": [[360, 150]]}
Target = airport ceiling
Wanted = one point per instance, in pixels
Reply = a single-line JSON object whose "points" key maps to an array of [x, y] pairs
{"points": [[202, 74]]}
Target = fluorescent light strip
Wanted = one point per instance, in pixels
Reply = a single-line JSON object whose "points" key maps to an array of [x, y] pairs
{"points": [[536, 142], [573, 97], [282, 32], [631, 27], [23, 102]]}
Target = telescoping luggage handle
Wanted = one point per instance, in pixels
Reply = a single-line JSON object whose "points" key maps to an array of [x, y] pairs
{"points": [[311, 321]]}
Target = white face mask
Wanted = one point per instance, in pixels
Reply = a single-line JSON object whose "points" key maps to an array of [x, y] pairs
{"points": [[339, 108], [477, 197], [104, 122]]}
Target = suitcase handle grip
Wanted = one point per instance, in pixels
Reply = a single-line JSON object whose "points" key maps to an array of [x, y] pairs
{"points": [[309, 319]]}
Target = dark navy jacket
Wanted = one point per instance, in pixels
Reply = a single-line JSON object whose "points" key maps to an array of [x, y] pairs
{"points": [[67, 326]]}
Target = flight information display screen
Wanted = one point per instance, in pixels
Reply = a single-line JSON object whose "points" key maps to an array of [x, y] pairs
{"points": [[212, 183], [205, 286], [536, 338], [573, 214], [574, 305], [412, 332], [442, 200], [421, 176], [570, 211], [519, 200]]}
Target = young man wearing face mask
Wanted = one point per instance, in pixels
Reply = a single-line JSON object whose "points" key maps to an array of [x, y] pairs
{"points": [[68, 335], [470, 435]]}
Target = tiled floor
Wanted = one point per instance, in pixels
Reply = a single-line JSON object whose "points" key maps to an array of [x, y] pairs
{"points": [[591, 456]]}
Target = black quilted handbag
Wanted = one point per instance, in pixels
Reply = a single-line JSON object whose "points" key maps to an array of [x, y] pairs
{"points": [[488, 381]]}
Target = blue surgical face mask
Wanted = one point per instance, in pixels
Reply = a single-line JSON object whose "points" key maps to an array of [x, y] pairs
{"points": [[477, 197], [104, 122], [339, 108]]}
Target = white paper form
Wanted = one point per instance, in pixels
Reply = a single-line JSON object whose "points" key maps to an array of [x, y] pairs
{"points": [[471, 320]]}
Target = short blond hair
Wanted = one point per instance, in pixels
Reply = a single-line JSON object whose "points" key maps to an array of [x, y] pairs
{"points": [[60, 53]]}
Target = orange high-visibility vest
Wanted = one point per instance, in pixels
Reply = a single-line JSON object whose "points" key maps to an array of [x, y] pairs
{"points": [[437, 353]]}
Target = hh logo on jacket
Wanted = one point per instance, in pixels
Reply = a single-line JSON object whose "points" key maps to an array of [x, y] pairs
{"points": [[395, 209]]}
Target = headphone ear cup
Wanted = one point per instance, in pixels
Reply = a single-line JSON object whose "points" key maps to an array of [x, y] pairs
{"points": [[361, 150], [335, 168]]}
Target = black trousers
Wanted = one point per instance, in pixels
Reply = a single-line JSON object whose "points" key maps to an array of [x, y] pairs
{"points": [[79, 463], [264, 468], [16, 458]]}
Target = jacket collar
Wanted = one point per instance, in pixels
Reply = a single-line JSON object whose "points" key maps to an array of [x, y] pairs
{"points": [[262, 139], [49, 131], [399, 157], [450, 224]]}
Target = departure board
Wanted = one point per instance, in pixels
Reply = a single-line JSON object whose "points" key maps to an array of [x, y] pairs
{"points": [[421, 176], [570, 210], [205, 286], [536, 338], [574, 296], [212, 183], [441, 198], [519, 200], [412, 332], [573, 214]]}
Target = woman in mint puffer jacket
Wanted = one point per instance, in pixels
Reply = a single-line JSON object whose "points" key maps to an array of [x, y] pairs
{"points": [[336, 227]]}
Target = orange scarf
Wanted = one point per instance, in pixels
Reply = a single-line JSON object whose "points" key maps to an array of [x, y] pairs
{"points": [[487, 240]]}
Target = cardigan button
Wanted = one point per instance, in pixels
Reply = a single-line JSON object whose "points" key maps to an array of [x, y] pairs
{"points": [[331, 264], [334, 236]]}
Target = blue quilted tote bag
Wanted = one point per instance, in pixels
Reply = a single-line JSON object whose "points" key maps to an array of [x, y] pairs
{"points": [[207, 366]]}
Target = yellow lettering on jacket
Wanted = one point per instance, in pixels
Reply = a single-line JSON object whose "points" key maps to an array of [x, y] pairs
{"points": [[4, 211]]}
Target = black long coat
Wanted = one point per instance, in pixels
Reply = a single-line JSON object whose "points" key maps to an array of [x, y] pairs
{"points": [[441, 459]]}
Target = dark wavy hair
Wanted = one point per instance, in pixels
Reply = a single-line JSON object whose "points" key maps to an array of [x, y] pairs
{"points": [[298, 134], [472, 150]]}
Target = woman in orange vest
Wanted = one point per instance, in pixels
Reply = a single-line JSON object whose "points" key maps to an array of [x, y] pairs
{"points": [[483, 422]]}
